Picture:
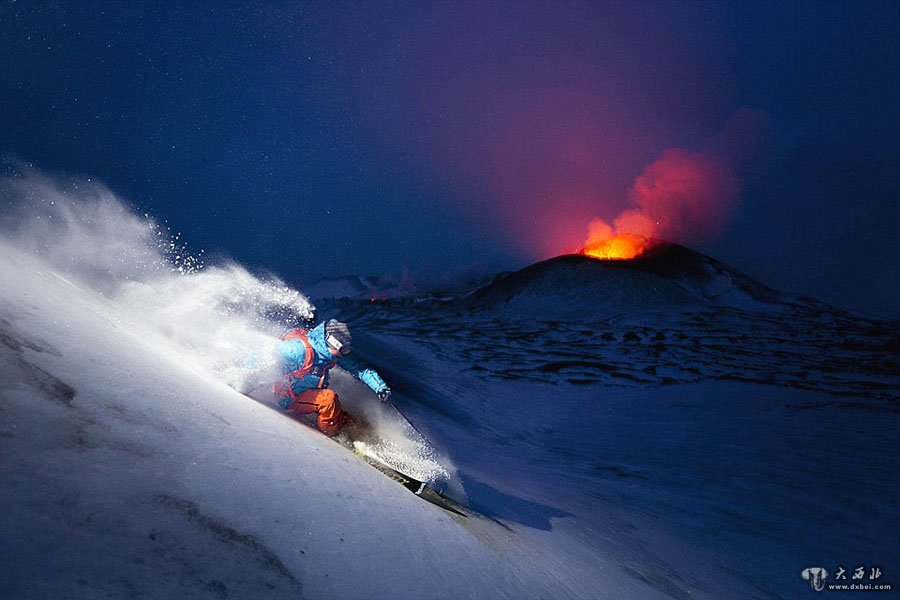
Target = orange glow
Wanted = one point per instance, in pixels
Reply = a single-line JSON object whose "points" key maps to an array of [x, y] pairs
{"points": [[620, 246], [681, 195]]}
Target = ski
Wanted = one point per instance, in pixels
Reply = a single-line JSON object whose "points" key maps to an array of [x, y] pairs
{"points": [[360, 448], [416, 486]]}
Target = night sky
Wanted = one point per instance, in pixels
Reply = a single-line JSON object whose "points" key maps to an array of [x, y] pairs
{"points": [[369, 138]]}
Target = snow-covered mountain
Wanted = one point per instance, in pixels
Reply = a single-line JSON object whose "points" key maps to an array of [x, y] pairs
{"points": [[665, 277], [407, 286], [128, 469], [662, 428], [351, 286]]}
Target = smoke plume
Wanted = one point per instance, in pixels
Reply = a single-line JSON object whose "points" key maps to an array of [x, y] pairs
{"points": [[688, 197]]}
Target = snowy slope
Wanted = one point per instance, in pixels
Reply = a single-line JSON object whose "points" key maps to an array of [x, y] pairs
{"points": [[703, 445], [130, 467], [658, 429], [128, 471]]}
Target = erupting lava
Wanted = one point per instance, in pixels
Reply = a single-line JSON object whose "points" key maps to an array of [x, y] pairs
{"points": [[680, 196], [621, 246], [629, 237]]}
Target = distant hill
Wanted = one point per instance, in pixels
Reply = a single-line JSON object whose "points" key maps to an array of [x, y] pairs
{"points": [[388, 287], [349, 286]]}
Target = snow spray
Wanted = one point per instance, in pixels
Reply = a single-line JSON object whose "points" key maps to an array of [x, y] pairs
{"points": [[221, 318]]}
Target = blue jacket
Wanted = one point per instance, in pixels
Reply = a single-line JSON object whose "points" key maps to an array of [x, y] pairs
{"points": [[292, 354]]}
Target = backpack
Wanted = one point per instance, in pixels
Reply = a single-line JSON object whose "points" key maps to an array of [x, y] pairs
{"points": [[299, 333]]}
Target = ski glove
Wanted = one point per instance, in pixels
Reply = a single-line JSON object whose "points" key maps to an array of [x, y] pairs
{"points": [[375, 382]]}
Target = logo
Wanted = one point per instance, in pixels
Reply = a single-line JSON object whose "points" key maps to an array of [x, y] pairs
{"points": [[859, 578], [816, 577]]}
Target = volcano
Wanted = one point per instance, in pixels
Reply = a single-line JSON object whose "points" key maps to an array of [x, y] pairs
{"points": [[664, 277]]}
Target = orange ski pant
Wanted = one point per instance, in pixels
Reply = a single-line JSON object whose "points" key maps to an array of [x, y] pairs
{"points": [[325, 403]]}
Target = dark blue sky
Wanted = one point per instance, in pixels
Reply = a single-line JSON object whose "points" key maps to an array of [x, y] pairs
{"points": [[310, 139]]}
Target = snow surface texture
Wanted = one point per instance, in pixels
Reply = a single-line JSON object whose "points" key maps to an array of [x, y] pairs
{"points": [[710, 442], [126, 472], [707, 434], [395, 439]]}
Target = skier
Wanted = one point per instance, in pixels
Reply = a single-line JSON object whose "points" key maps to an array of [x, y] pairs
{"points": [[306, 357]]}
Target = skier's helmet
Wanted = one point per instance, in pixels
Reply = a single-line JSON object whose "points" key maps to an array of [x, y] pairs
{"points": [[337, 336]]}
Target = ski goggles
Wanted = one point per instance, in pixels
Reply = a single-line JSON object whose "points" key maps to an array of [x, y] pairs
{"points": [[336, 345]]}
